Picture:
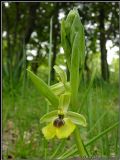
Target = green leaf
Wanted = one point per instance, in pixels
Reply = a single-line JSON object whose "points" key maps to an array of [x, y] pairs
{"points": [[48, 117], [69, 20], [58, 149], [77, 27], [74, 76], [69, 28], [77, 118], [65, 43], [102, 133], [62, 75], [44, 89], [73, 42], [64, 101]]}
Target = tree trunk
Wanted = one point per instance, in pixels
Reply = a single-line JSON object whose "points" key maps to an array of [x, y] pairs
{"points": [[104, 64], [28, 31], [55, 34], [38, 60], [87, 69], [9, 55]]}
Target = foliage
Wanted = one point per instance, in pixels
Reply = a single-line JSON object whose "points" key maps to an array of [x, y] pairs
{"points": [[25, 27], [26, 114]]}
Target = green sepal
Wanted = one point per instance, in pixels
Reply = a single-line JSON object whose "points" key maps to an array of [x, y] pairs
{"points": [[44, 89], [61, 74], [58, 88], [48, 117], [64, 101], [77, 118]]}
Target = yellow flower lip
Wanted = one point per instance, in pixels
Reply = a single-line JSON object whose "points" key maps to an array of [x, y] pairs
{"points": [[50, 131], [61, 123]]}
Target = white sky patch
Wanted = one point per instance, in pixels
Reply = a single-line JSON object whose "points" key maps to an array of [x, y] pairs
{"points": [[112, 70], [61, 50], [93, 14], [65, 60], [88, 25], [43, 11], [22, 15], [62, 67], [4, 34], [61, 15], [36, 40], [51, 4], [6, 4], [91, 26], [34, 52], [27, 51], [43, 44], [108, 44], [29, 58], [43, 52], [111, 51], [95, 24], [34, 34]]}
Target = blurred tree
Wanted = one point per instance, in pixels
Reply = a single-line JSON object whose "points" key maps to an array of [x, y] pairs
{"points": [[18, 23], [101, 24], [25, 26], [104, 64], [64, 7]]}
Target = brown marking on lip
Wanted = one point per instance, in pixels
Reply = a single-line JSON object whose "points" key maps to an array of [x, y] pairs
{"points": [[58, 122]]}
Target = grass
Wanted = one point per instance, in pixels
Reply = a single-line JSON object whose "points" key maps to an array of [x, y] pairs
{"points": [[101, 111], [22, 137]]}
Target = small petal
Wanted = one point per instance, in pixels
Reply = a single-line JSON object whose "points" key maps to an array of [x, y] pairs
{"points": [[49, 131], [64, 101], [77, 118], [48, 117], [66, 129], [62, 75]]}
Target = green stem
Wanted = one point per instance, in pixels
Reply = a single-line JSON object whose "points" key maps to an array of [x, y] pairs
{"points": [[50, 52], [49, 77], [81, 149], [46, 149], [49, 58]]}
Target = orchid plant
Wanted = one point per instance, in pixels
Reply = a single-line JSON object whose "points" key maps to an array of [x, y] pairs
{"points": [[62, 121]]}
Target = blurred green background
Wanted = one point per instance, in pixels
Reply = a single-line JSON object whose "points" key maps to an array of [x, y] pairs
{"points": [[25, 44]]}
